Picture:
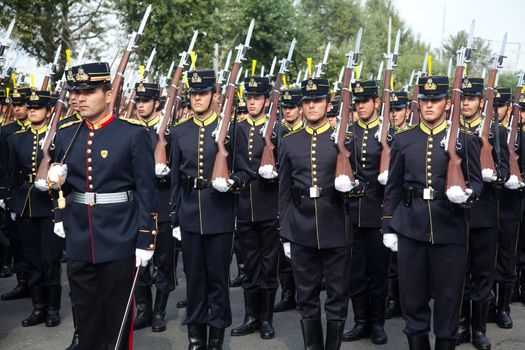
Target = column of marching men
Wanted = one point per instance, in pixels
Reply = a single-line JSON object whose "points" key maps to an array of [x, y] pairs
{"points": [[388, 243]]}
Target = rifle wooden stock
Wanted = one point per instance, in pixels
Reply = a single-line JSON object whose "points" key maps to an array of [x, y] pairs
{"points": [[45, 163], [513, 155], [118, 80], [414, 108], [131, 104], [8, 114], [268, 157], [454, 173], [220, 167], [45, 83], [486, 159], [385, 124]]}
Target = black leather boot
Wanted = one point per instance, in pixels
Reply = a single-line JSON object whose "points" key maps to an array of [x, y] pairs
{"points": [[288, 293], [215, 338], [418, 342], [266, 314], [39, 307], [361, 317], [445, 344], [237, 281], [463, 335], [393, 306], [479, 326], [74, 341], [144, 314], [197, 336], [251, 317], [312, 334], [377, 320], [334, 334], [54, 295], [159, 312], [20, 291], [503, 319]]}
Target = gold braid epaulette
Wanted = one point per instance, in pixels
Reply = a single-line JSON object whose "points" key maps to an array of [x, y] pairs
{"points": [[67, 125]]}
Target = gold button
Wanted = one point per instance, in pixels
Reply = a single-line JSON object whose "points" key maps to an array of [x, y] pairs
{"points": [[91, 134], [429, 160], [250, 153], [90, 168], [314, 166], [314, 138], [429, 174], [202, 136], [366, 132], [314, 159], [364, 151], [201, 142], [429, 167], [90, 177], [430, 146], [152, 246], [201, 171], [363, 159], [33, 169], [34, 153], [88, 151], [430, 139], [314, 144], [251, 146], [201, 163], [365, 138], [252, 128], [313, 151], [154, 233], [200, 177], [201, 156], [251, 134], [315, 179], [314, 172], [201, 149], [90, 142], [89, 160], [364, 144], [202, 129], [429, 182], [32, 158], [90, 187], [429, 153]]}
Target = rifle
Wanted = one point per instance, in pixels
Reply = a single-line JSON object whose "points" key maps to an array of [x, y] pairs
{"points": [[220, 79], [267, 155], [513, 155], [117, 81], [5, 41], [414, 104], [343, 166], [131, 103], [454, 173], [220, 167], [52, 68], [160, 147], [337, 83], [320, 68], [391, 62]]}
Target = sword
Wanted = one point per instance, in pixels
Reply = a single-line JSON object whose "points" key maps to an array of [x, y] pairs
{"points": [[128, 305]]}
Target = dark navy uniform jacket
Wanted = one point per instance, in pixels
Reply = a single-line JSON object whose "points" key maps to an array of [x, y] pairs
{"points": [[510, 205], [257, 201], [113, 155], [6, 131], [25, 153], [418, 160], [308, 158], [205, 210], [484, 211]]}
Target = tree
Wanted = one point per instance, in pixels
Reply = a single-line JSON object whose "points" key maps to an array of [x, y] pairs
{"points": [[480, 57]]}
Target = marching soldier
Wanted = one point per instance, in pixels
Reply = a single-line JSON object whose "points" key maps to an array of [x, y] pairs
{"points": [[431, 250], [163, 276], [204, 211], [399, 109], [106, 170], [257, 221], [370, 258], [334, 111], [5, 249], [291, 106], [520, 251], [312, 215], [484, 229]]}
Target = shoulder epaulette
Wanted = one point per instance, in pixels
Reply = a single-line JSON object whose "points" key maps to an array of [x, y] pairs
{"points": [[21, 131], [293, 132], [67, 125], [400, 131], [466, 131], [180, 122], [133, 121]]}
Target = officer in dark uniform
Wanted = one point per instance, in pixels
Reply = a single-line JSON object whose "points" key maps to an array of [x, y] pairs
{"points": [[431, 256], [333, 113], [370, 258], [204, 214], [257, 220], [399, 111], [19, 122], [483, 224], [292, 121], [107, 170], [42, 249], [312, 215], [161, 272]]}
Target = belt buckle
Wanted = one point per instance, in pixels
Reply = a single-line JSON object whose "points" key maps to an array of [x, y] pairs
{"points": [[198, 183], [90, 198], [315, 192], [428, 193], [30, 177]]}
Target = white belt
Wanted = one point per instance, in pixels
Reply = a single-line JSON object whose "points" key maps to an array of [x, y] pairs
{"points": [[92, 198]]}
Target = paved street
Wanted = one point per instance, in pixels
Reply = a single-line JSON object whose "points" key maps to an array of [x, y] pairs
{"points": [[14, 337]]}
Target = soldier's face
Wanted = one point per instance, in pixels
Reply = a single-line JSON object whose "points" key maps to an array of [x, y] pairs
{"points": [[145, 108], [73, 101], [256, 104], [315, 110], [399, 116], [470, 106], [20, 111], [366, 110], [290, 114], [433, 111], [332, 121], [93, 103], [37, 115], [201, 101], [502, 112]]}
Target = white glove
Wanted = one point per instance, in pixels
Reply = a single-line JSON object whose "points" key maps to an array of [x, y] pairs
{"points": [[383, 177], [488, 175], [221, 185], [456, 195], [267, 172], [287, 250], [161, 170], [390, 241], [57, 172], [513, 183], [176, 233], [41, 185], [2, 204], [13, 216], [142, 257], [59, 229], [342, 183]]}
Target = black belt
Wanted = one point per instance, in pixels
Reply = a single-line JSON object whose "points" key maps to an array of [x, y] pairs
{"points": [[320, 192], [190, 183]]}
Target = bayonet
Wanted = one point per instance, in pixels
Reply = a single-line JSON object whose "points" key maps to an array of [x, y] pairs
{"points": [[149, 62], [186, 54], [396, 48], [272, 67], [321, 67], [144, 20], [449, 69], [501, 56], [379, 71], [5, 40], [262, 70], [298, 79]]}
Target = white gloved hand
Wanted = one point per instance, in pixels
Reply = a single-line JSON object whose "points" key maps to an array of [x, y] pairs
{"points": [[287, 250], [41, 185], [383, 177], [513, 183], [2, 204], [267, 172], [161, 170], [342, 183], [59, 229], [176, 233], [390, 241], [57, 172], [221, 185], [13, 216], [142, 257], [456, 195], [488, 175]]}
